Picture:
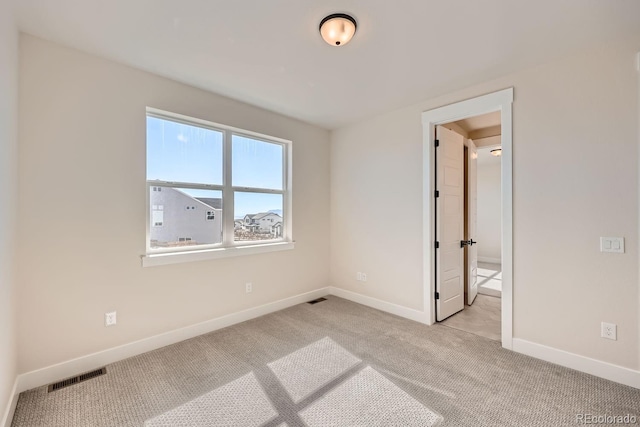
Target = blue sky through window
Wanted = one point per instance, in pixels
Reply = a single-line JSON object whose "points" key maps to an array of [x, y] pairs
{"points": [[182, 153], [178, 152], [256, 163]]}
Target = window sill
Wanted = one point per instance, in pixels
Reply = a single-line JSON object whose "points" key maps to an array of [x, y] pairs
{"points": [[152, 260]]}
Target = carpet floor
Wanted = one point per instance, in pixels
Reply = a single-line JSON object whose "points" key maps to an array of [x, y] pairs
{"points": [[335, 363]]}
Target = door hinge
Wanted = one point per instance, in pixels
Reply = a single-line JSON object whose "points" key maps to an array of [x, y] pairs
{"points": [[437, 193], [437, 295], [437, 142], [437, 245]]}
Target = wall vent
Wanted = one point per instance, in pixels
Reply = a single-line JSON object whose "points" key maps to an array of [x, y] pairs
{"points": [[315, 301], [77, 379]]}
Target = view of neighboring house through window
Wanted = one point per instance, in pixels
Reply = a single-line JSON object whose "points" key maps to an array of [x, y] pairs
{"points": [[211, 185], [257, 165]]}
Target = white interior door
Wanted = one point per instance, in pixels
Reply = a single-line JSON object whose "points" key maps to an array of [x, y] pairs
{"points": [[449, 223], [472, 221]]}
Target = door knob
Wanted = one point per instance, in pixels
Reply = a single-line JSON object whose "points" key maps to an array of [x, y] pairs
{"points": [[464, 243]]}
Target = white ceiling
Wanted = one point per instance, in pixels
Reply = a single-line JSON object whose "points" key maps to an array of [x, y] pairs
{"points": [[483, 121], [270, 54], [485, 158]]}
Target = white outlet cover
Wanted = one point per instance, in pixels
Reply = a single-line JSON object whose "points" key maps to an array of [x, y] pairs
{"points": [[609, 331], [248, 287], [110, 318]]}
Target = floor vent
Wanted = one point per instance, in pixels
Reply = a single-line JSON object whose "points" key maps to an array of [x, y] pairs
{"points": [[77, 379], [315, 301]]}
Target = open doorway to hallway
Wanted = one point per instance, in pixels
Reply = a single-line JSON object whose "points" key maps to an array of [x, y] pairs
{"points": [[501, 101], [481, 225]]}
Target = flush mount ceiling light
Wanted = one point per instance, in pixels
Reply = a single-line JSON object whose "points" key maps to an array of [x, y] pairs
{"points": [[337, 29], [496, 152]]}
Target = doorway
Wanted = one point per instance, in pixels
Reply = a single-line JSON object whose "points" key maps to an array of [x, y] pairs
{"points": [[495, 102], [478, 235]]}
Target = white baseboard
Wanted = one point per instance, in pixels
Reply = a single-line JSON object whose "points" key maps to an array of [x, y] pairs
{"points": [[49, 374], [595, 367], [489, 260], [11, 407], [398, 310]]}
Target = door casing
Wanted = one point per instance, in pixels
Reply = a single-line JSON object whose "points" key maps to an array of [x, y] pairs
{"points": [[497, 101]]}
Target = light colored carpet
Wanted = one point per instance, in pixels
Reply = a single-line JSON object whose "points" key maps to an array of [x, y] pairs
{"points": [[368, 399], [239, 403], [306, 370], [466, 380]]}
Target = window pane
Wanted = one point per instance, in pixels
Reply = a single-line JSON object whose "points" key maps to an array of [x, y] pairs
{"points": [[182, 153], [184, 217], [257, 216], [256, 164]]}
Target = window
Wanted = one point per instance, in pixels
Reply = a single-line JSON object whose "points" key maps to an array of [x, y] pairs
{"points": [[223, 187], [157, 215]]}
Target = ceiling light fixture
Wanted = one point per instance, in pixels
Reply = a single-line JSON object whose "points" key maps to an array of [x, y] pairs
{"points": [[497, 152], [337, 29]]}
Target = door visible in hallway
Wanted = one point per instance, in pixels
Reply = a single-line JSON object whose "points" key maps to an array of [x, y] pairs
{"points": [[449, 223]]}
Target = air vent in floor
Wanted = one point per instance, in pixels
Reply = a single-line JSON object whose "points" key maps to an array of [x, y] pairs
{"points": [[315, 301], [77, 379]]}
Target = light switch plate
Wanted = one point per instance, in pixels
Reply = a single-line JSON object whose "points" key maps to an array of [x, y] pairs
{"points": [[612, 244]]}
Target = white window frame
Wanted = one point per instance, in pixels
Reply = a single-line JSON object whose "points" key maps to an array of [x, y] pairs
{"points": [[228, 247]]}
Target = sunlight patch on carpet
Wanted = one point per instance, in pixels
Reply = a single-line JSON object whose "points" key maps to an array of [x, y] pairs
{"points": [[306, 370], [368, 399], [238, 403]]}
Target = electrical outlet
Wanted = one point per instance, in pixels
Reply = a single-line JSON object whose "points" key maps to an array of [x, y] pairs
{"points": [[609, 331], [363, 277], [110, 318], [248, 287]]}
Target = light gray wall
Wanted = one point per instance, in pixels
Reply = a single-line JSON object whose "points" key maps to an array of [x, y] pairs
{"points": [[575, 171], [180, 222], [8, 201], [489, 206], [82, 128]]}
